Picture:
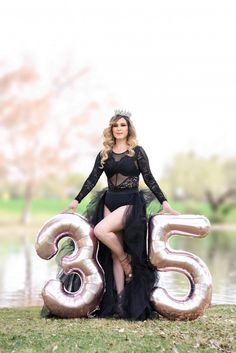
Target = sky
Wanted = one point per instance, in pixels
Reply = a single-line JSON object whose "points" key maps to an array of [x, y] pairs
{"points": [[171, 63]]}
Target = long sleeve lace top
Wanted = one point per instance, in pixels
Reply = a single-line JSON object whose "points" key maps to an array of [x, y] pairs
{"points": [[122, 173]]}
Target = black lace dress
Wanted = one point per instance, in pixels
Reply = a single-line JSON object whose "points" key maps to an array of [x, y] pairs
{"points": [[122, 173]]}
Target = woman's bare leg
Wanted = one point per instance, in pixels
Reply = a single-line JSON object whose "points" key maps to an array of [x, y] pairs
{"points": [[107, 231], [118, 273], [117, 268]]}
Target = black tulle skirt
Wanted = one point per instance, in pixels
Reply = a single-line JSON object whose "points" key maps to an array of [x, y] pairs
{"points": [[136, 294]]}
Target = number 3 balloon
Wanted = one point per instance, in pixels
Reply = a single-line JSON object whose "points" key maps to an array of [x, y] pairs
{"points": [[82, 261], [161, 228]]}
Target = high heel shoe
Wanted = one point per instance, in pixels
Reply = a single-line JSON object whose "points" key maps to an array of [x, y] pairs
{"points": [[126, 265], [119, 311]]}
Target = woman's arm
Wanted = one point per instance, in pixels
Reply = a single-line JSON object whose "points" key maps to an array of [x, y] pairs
{"points": [[89, 183], [92, 179], [149, 180]]}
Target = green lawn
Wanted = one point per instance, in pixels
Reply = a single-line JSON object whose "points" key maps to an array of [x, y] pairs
{"points": [[47, 207], [39, 207], [22, 331]]}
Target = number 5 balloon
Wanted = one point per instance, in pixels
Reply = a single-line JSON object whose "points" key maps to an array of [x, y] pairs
{"points": [[161, 228], [83, 262]]}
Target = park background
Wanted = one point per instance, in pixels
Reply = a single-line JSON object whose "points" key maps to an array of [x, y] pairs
{"points": [[64, 68]]}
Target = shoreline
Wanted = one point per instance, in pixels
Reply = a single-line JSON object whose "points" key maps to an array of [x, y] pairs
{"points": [[16, 230]]}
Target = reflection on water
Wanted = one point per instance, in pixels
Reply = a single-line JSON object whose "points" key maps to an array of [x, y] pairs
{"points": [[23, 274]]}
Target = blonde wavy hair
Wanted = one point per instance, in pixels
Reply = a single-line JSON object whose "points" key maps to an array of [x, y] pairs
{"points": [[109, 140]]}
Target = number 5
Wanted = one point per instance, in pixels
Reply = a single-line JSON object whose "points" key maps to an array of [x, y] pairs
{"points": [[161, 228]]}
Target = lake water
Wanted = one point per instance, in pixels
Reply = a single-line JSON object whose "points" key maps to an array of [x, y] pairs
{"points": [[23, 274]]}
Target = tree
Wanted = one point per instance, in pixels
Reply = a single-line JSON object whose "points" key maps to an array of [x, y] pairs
{"points": [[210, 179], [194, 175], [34, 143]]}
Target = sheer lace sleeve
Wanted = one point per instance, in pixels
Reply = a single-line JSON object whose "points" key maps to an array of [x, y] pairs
{"points": [[149, 180], [92, 179]]}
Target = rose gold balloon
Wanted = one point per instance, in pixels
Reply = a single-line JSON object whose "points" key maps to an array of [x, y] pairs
{"points": [[83, 262], [161, 228]]}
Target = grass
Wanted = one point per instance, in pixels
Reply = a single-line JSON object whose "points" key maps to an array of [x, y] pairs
{"points": [[22, 331], [40, 207]]}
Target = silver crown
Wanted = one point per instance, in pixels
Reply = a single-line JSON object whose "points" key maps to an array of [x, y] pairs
{"points": [[123, 113]]}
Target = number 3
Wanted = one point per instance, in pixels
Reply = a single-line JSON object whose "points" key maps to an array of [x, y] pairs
{"points": [[83, 262]]}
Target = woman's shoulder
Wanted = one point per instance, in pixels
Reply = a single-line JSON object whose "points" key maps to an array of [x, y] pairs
{"points": [[138, 148], [98, 156], [140, 153]]}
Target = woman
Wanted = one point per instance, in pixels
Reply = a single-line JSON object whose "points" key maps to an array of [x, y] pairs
{"points": [[119, 219]]}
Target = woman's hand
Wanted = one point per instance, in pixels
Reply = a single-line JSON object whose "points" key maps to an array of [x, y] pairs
{"points": [[167, 209], [72, 206]]}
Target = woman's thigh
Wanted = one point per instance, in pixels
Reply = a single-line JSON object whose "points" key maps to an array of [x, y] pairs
{"points": [[118, 233], [112, 221]]}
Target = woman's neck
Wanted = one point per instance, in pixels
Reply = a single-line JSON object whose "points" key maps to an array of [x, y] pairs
{"points": [[120, 146]]}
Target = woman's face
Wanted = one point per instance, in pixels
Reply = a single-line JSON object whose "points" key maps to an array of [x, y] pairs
{"points": [[120, 129]]}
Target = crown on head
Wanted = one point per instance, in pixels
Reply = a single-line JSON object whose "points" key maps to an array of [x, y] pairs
{"points": [[123, 113]]}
